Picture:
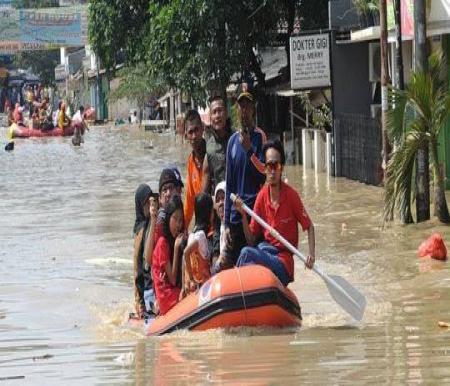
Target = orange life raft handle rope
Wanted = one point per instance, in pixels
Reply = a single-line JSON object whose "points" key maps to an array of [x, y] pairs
{"points": [[344, 294]]}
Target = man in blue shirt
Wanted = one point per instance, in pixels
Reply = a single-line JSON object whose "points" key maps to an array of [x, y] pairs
{"points": [[244, 177]]}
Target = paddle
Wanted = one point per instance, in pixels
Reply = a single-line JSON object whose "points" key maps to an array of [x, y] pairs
{"points": [[348, 297]]}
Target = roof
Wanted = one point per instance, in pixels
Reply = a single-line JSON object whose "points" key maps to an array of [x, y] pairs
{"points": [[273, 59]]}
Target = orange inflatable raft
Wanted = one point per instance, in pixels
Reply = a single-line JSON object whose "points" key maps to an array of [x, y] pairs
{"points": [[245, 296], [16, 131]]}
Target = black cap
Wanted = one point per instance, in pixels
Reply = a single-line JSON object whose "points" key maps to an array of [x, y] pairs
{"points": [[170, 175]]}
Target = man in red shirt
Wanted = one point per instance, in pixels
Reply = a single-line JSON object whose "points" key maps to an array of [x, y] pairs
{"points": [[281, 207]]}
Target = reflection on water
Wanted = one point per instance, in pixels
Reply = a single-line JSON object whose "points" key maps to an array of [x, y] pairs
{"points": [[66, 288]]}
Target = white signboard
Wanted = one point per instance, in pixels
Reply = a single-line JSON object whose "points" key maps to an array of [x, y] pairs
{"points": [[310, 61]]}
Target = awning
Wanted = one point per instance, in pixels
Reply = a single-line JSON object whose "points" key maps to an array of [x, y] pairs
{"points": [[366, 34], [438, 23], [287, 93], [439, 19]]}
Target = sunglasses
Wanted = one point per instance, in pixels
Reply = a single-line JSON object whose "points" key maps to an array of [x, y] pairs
{"points": [[274, 166]]}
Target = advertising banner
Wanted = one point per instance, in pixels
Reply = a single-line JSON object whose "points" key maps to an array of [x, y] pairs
{"points": [[310, 61], [38, 29], [52, 28], [5, 4]]}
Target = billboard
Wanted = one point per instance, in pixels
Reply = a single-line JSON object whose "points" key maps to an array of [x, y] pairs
{"points": [[52, 28], [5, 4], [35, 29], [310, 61]]}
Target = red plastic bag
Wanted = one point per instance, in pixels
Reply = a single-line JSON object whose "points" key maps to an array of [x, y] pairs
{"points": [[433, 247]]}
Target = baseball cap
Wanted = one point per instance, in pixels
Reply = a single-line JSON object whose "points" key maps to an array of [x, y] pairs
{"points": [[170, 175], [220, 186], [245, 95]]}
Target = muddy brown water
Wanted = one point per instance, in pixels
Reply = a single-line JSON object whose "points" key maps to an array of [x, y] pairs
{"points": [[66, 216]]}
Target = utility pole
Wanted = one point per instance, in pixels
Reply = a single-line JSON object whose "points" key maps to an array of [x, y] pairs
{"points": [[384, 84], [422, 160], [405, 210], [399, 49]]}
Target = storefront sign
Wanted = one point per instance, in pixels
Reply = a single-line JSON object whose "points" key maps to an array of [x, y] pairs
{"points": [[310, 61]]}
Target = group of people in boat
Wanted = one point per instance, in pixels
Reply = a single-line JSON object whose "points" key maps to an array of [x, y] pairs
{"points": [[173, 258], [43, 118]]}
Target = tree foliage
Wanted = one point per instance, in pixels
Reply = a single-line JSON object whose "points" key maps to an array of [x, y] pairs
{"points": [[313, 14], [204, 51], [416, 117], [118, 26], [41, 63], [136, 83], [198, 45]]}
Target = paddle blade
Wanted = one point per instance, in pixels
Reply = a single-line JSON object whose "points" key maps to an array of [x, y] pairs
{"points": [[347, 296]]}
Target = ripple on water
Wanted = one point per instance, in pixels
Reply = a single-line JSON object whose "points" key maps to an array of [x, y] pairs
{"points": [[66, 288]]}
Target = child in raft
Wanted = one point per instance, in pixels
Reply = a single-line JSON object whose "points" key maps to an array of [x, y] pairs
{"points": [[166, 256], [197, 255]]}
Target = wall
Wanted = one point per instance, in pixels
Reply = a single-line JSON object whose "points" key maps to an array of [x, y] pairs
{"points": [[351, 86], [357, 137], [444, 136], [121, 108]]}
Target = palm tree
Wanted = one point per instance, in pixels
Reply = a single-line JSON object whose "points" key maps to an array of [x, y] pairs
{"points": [[415, 118]]}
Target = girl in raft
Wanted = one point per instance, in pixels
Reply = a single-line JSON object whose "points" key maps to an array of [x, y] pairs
{"points": [[166, 256], [197, 255], [146, 206]]}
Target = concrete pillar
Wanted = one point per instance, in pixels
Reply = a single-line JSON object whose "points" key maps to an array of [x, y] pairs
{"points": [[62, 55], [172, 110], [178, 103], [307, 149], [294, 141], [319, 152], [329, 154]]}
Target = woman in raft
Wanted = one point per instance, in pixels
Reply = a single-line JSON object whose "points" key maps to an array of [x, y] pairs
{"points": [[146, 208], [166, 256]]}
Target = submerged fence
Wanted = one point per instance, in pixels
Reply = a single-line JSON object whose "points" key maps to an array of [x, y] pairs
{"points": [[358, 148]]}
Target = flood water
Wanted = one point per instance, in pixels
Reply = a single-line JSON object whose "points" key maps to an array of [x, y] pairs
{"points": [[66, 216]]}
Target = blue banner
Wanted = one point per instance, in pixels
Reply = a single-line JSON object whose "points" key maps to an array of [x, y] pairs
{"points": [[5, 3], [52, 28]]}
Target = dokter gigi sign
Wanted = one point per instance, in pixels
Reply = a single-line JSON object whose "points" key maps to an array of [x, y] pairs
{"points": [[310, 61]]}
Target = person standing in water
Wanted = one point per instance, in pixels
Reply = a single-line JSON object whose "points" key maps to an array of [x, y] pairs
{"points": [[216, 146], [244, 177]]}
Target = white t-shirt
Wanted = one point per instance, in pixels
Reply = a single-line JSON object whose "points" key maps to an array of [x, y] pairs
{"points": [[55, 118], [77, 118], [222, 240], [200, 237]]}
